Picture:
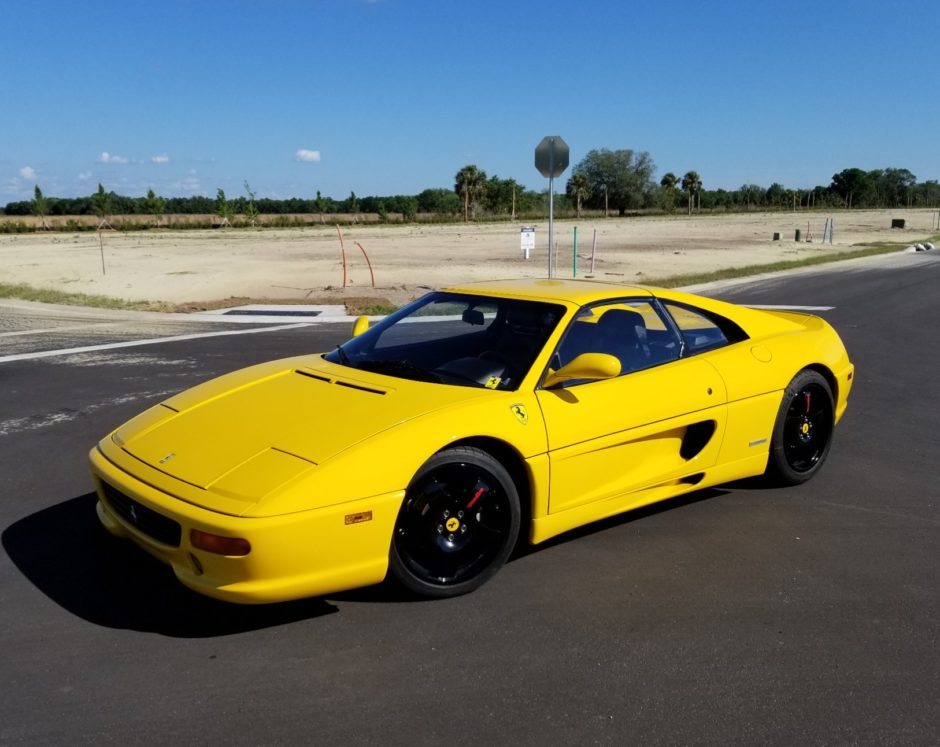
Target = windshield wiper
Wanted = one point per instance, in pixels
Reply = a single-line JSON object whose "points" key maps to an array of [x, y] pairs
{"points": [[404, 369]]}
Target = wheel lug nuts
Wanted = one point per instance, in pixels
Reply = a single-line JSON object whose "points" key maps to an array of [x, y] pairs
{"points": [[450, 537], [463, 529], [446, 514], [460, 514], [440, 529]]}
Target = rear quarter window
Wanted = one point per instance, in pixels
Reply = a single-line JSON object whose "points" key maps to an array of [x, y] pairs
{"points": [[702, 331]]}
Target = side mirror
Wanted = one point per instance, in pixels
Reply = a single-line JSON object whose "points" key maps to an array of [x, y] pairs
{"points": [[585, 366], [360, 325]]}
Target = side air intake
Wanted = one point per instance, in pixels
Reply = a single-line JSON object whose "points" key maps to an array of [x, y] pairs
{"points": [[696, 438]]}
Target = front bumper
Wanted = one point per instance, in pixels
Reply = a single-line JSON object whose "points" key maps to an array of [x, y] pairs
{"points": [[844, 380], [297, 555]]}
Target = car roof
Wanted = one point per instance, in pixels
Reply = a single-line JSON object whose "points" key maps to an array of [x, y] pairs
{"points": [[577, 292]]}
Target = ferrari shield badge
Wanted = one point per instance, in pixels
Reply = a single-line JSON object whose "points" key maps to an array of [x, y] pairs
{"points": [[520, 412]]}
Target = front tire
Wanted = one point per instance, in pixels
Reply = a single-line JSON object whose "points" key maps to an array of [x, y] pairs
{"points": [[803, 430], [457, 525]]}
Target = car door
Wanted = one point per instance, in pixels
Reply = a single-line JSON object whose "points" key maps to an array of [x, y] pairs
{"points": [[660, 420]]}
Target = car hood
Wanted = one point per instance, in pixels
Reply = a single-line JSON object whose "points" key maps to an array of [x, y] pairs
{"points": [[245, 436]]}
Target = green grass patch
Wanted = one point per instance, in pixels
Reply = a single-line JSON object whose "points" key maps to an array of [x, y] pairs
{"points": [[379, 309], [675, 281], [26, 292]]}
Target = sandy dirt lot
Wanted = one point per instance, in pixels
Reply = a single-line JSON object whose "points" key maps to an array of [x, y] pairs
{"points": [[306, 263]]}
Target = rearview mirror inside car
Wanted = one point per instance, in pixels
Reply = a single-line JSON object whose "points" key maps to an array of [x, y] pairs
{"points": [[473, 316]]}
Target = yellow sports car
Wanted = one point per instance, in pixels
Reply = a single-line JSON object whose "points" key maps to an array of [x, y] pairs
{"points": [[422, 447]]}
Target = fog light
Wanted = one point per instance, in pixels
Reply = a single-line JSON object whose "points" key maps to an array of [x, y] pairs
{"points": [[219, 545]]}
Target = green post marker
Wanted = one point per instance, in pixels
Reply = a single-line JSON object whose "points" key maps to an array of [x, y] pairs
{"points": [[574, 261]]}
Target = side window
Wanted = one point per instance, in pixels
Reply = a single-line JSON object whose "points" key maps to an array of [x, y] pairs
{"points": [[632, 331], [701, 332]]}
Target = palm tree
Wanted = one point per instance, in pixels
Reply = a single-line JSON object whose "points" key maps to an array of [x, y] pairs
{"points": [[578, 188], [469, 182], [692, 183], [668, 183]]}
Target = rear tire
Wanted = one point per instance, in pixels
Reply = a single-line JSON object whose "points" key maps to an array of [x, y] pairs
{"points": [[803, 430], [457, 525]]}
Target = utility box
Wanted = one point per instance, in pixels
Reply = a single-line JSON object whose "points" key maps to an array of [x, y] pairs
{"points": [[897, 223]]}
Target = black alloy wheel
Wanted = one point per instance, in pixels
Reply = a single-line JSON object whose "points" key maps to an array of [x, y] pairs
{"points": [[803, 430], [457, 525]]}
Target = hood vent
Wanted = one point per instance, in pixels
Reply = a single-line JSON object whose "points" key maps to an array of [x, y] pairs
{"points": [[360, 387], [310, 375], [347, 384]]}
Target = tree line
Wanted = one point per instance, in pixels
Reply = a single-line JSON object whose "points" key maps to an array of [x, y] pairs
{"points": [[622, 180], [494, 196], [619, 181]]}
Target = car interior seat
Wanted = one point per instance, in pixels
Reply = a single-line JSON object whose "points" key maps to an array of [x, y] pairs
{"points": [[623, 335]]}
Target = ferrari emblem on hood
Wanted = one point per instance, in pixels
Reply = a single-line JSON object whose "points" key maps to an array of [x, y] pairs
{"points": [[520, 412]]}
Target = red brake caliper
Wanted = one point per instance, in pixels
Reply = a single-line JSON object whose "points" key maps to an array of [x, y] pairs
{"points": [[476, 496]]}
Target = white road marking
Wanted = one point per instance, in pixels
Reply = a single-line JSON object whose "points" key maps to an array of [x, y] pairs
{"points": [[13, 426], [86, 360], [63, 328], [153, 341], [774, 307]]}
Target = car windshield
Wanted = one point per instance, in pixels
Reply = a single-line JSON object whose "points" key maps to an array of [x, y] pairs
{"points": [[456, 339]]}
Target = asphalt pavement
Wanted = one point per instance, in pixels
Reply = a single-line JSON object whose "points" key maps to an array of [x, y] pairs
{"points": [[738, 615]]}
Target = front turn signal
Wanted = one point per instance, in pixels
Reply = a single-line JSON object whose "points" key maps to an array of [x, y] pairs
{"points": [[219, 545]]}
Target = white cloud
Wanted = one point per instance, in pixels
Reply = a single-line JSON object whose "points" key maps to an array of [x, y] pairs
{"points": [[162, 158], [189, 184], [106, 157], [84, 176], [28, 172], [307, 156]]}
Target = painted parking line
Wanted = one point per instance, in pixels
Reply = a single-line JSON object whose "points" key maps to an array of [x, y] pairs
{"points": [[151, 341], [48, 330], [63, 329], [776, 307]]}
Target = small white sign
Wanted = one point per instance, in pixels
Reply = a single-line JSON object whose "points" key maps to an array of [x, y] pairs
{"points": [[527, 240]]}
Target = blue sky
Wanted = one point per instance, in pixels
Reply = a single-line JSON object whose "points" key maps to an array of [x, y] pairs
{"points": [[393, 96]]}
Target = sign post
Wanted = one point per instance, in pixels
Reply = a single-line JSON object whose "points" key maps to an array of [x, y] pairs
{"points": [[551, 159], [527, 240]]}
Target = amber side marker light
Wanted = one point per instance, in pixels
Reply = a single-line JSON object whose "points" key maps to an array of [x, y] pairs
{"points": [[219, 545]]}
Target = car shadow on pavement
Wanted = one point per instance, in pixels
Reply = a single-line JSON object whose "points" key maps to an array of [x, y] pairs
{"points": [[66, 553], [390, 592], [524, 549]]}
